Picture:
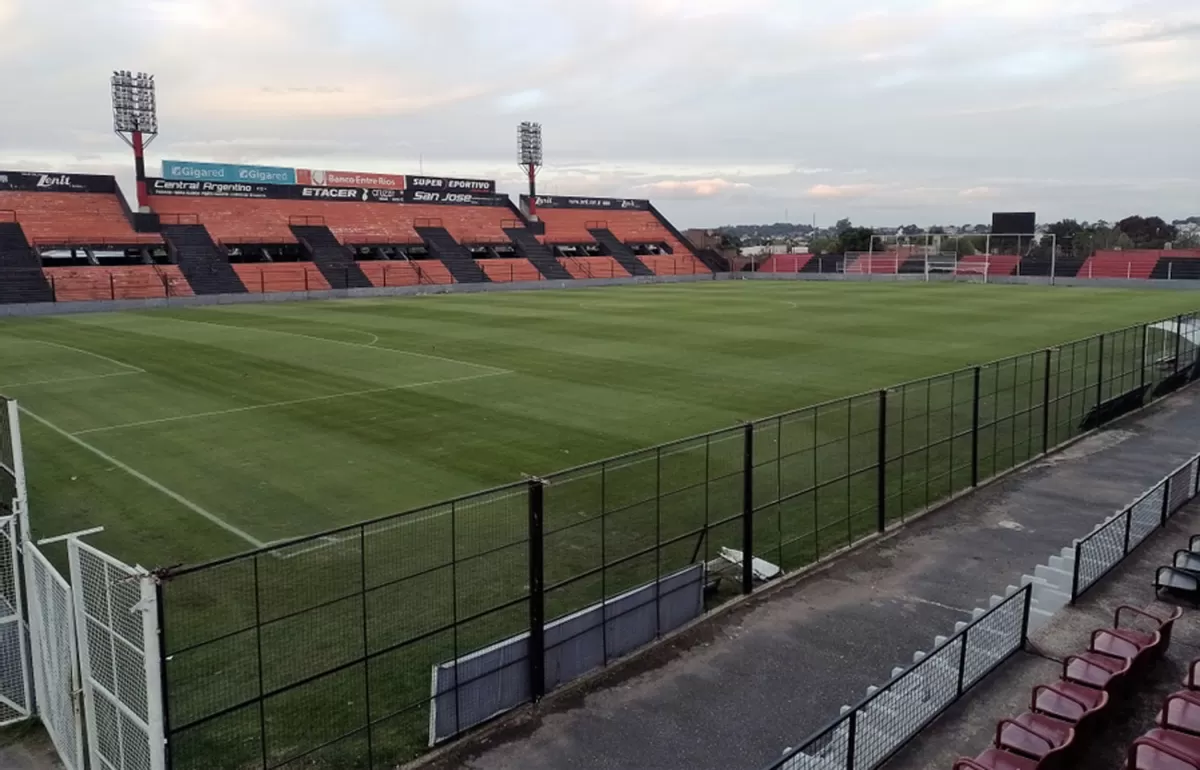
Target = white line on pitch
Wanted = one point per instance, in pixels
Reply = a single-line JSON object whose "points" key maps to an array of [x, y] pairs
{"points": [[68, 379], [372, 346], [135, 369], [215, 519], [292, 402]]}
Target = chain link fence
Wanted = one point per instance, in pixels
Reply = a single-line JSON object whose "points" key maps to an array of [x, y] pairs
{"points": [[362, 646]]}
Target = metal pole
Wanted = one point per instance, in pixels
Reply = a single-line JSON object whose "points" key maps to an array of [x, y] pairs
{"points": [[1166, 503], [975, 432], [1178, 339], [1100, 375], [962, 659], [537, 596], [881, 489], [748, 510], [851, 736], [1046, 405]]}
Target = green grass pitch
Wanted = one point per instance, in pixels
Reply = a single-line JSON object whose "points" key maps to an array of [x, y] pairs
{"points": [[191, 434], [283, 420]]}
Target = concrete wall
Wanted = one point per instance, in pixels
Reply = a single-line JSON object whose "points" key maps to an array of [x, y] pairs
{"points": [[105, 306]]}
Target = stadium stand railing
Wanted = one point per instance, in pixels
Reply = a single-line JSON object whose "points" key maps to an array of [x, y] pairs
{"points": [[746, 504]]}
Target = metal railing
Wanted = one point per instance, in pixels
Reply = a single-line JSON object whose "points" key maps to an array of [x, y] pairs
{"points": [[1107, 546], [376, 606], [870, 733]]}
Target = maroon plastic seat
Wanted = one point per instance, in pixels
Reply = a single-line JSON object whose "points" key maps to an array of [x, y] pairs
{"points": [[1070, 702], [998, 759], [1192, 680], [1035, 736], [1094, 669], [1162, 625], [1141, 650], [1181, 712], [1162, 749]]}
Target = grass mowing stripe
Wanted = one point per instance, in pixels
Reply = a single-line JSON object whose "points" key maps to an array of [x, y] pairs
{"points": [[69, 379], [215, 519], [292, 402], [133, 369], [372, 346]]}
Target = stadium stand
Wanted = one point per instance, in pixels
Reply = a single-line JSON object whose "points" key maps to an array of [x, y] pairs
{"points": [[1135, 263], [619, 251], [785, 263], [73, 218], [996, 264], [21, 277], [1181, 264]]}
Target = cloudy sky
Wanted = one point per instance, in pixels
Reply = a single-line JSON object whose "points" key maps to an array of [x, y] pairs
{"points": [[723, 111]]}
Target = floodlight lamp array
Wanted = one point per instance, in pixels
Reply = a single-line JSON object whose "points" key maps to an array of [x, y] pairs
{"points": [[529, 144], [134, 104]]}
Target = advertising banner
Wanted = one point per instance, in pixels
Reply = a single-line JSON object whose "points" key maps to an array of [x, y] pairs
{"points": [[224, 172], [442, 184], [37, 181], [185, 188], [569, 202], [317, 178]]}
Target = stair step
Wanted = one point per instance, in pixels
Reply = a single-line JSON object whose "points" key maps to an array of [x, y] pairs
{"points": [[205, 265]]}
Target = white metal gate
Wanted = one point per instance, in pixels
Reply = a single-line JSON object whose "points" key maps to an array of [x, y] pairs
{"points": [[116, 613], [55, 659], [15, 702]]}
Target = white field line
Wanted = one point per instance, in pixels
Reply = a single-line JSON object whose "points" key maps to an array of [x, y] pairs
{"points": [[68, 379], [372, 346], [292, 402], [133, 369], [215, 519], [404, 521]]}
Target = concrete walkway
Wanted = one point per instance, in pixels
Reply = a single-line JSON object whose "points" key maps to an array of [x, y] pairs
{"points": [[734, 692]]}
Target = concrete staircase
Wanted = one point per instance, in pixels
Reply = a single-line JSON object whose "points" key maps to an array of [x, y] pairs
{"points": [[204, 264], [541, 256], [21, 276], [454, 255], [335, 261], [620, 252]]}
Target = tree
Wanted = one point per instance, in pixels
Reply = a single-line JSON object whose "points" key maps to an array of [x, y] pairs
{"points": [[821, 246], [937, 230], [857, 239], [911, 230], [1147, 232], [842, 226]]}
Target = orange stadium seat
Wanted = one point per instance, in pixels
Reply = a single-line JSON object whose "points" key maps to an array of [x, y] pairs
{"points": [[509, 270], [593, 267], [281, 276], [82, 219], [241, 220], [75, 284], [564, 226]]}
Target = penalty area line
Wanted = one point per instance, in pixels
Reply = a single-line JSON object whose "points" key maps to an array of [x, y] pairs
{"points": [[193, 507]]}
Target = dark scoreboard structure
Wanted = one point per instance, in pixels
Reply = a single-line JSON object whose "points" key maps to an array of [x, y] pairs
{"points": [[1014, 222]]}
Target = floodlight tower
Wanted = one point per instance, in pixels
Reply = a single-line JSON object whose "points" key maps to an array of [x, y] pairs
{"points": [[529, 157], [135, 119]]}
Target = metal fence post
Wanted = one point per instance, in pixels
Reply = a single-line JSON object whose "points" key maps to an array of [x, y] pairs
{"points": [[881, 490], [162, 669], [537, 595], [1178, 338], [1100, 374], [850, 739], [1025, 617], [975, 432], [748, 510], [1075, 572], [1046, 405], [1145, 353], [1166, 502], [962, 659], [1128, 526]]}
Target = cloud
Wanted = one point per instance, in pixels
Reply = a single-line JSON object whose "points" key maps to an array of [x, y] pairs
{"points": [[728, 110], [827, 191], [692, 188]]}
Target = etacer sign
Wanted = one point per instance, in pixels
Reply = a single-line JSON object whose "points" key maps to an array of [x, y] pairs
{"points": [[191, 171]]}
